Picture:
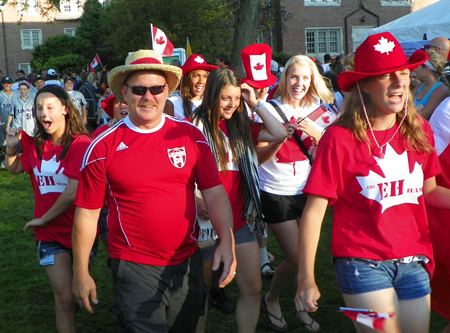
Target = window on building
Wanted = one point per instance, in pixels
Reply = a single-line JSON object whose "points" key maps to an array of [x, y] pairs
{"points": [[30, 7], [322, 2], [322, 41], [30, 38], [70, 7], [70, 32], [26, 68], [396, 2]]}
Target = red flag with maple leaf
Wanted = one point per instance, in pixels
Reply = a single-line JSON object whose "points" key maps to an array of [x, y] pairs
{"points": [[370, 319], [161, 43]]}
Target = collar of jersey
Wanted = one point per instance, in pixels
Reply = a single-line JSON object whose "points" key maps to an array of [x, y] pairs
{"points": [[132, 127]]}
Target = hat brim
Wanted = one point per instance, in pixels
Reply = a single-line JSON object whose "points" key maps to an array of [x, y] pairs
{"points": [[260, 84], [347, 80], [117, 76], [187, 69]]}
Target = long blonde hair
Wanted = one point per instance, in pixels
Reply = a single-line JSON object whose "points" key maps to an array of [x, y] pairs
{"points": [[352, 117], [317, 89]]}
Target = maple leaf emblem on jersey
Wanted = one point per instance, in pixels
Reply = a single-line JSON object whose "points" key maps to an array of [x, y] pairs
{"points": [[160, 40], [258, 66], [384, 46], [398, 185]]}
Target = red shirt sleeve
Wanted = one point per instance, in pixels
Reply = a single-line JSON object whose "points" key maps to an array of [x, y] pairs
{"points": [[74, 157], [206, 172]]}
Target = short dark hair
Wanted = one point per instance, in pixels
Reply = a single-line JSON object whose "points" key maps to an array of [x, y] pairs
{"points": [[224, 58]]}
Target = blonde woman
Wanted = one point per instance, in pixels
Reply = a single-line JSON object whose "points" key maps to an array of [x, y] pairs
{"points": [[434, 88], [286, 169]]}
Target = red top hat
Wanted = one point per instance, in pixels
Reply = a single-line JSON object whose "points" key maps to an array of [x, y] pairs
{"points": [[256, 59], [196, 62], [108, 105], [379, 54]]}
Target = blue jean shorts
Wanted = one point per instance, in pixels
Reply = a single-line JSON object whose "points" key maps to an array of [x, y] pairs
{"points": [[358, 276], [46, 252]]}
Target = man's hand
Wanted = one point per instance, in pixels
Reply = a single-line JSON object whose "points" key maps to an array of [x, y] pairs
{"points": [[225, 254], [82, 288]]}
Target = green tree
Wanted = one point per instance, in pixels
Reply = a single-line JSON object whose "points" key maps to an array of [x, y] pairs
{"points": [[205, 22], [71, 62], [57, 46]]}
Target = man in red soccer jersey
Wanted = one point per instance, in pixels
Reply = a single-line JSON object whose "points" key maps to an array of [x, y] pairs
{"points": [[148, 165]]}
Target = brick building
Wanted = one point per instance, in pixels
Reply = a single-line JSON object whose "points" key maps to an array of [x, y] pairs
{"points": [[318, 27], [23, 27]]}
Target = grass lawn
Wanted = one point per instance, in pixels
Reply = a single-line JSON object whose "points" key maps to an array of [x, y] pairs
{"points": [[26, 302]]}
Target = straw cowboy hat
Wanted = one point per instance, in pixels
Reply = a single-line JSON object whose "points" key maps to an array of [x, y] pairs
{"points": [[196, 62], [142, 60], [257, 61], [379, 54]]}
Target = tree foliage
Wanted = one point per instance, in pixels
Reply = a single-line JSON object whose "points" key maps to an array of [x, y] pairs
{"points": [[71, 62], [205, 22], [57, 46]]}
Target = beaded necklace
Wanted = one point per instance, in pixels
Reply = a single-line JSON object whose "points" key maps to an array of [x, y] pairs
{"points": [[370, 126]]}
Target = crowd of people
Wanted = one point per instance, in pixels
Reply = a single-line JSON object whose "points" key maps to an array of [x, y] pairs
{"points": [[193, 166]]}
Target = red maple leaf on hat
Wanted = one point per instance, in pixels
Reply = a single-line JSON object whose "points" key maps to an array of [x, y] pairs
{"points": [[160, 40], [326, 119], [258, 66]]}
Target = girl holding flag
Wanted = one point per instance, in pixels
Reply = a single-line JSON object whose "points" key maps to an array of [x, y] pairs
{"points": [[286, 168], [377, 166]]}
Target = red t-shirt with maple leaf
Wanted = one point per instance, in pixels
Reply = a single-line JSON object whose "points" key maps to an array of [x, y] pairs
{"points": [[50, 178], [379, 210]]}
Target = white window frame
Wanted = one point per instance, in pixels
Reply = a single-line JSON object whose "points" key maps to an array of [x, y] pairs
{"points": [[330, 34], [70, 31], [26, 67], [68, 7], [396, 3], [27, 40], [322, 2], [29, 7]]}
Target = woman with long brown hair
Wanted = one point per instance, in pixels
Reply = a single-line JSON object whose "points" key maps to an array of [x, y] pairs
{"points": [[232, 136], [53, 162], [377, 166]]}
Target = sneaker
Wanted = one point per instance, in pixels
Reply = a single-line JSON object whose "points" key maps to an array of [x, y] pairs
{"points": [[218, 299]]}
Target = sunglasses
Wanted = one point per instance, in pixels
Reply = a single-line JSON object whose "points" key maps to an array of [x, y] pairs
{"points": [[141, 90]]}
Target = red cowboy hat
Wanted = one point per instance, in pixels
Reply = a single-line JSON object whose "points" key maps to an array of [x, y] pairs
{"points": [[256, 59], [379, 54], [196, 62], [108, 105]]}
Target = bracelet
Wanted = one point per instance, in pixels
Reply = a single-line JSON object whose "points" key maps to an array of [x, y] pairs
{"points": [[257, 107]]}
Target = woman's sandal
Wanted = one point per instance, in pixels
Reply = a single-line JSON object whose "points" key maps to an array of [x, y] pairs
{"points": [[268, 270]]}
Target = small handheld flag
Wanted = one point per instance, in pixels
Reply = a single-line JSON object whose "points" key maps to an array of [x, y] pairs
{"points": [[365, 317], [160, 42]]}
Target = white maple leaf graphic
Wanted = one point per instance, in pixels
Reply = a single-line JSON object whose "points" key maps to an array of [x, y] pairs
{"points": [[49, 179], [384, 46], [199, 60], [396, 187]]}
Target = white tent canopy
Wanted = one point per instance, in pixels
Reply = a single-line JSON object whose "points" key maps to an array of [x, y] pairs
{"points": [[433, 20]]}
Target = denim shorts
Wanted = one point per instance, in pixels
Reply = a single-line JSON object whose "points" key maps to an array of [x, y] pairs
{"points": [[46, 252], [244, 235], [357, 276]]}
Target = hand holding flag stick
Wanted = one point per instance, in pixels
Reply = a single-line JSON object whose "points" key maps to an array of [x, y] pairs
{"points": [[365, 317]]}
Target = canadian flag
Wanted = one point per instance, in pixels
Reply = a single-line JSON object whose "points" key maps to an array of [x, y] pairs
{"points": [[95, 62], [161, 43], [373, 320]]}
